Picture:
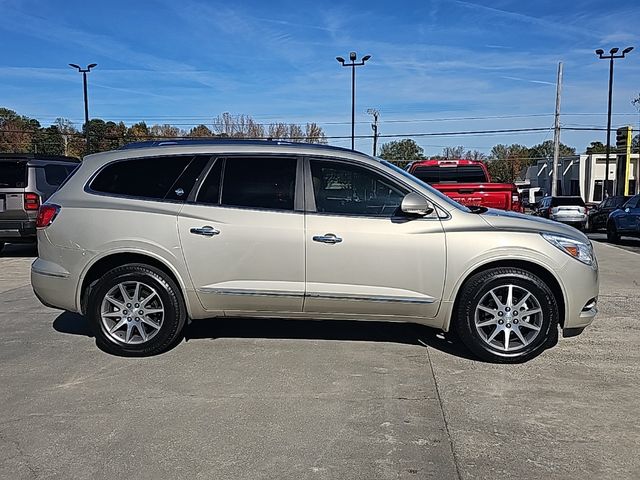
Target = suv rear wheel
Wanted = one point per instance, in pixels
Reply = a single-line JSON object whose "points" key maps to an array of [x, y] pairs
{"points": [[507, 315], [136, 310]]}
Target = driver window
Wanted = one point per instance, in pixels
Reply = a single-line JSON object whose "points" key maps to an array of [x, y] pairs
{"points": [[344, 189]]}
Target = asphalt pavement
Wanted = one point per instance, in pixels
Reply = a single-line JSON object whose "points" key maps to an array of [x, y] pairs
{"points": [[269, 399]]}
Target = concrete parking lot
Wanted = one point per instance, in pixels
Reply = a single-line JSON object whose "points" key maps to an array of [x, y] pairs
{"points": [[267, 399]]}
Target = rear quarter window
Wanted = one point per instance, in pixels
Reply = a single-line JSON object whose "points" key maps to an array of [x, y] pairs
{"points": [[55, 175], [146, 178], [13, 174]]}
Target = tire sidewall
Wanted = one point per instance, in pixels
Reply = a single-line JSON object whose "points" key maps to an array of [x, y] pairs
{"points": [[479, 286], [174, 316]]}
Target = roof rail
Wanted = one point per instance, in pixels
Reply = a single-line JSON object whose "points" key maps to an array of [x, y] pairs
{"points": [[223, 141]]}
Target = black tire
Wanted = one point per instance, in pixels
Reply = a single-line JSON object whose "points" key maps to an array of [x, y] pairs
{"points": [[612, 233], [477, 287], [1, 246], [174, 316]]}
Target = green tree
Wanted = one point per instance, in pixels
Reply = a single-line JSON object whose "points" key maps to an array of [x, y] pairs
{"points": [[17, 132], [138, 132], [401, 151], [49, 141], [596, 147], [545, 150], [200, 131], [506, 162]]}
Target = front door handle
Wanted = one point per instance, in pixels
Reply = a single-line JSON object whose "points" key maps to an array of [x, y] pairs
{"points": [[207, 231], [327, 238]]}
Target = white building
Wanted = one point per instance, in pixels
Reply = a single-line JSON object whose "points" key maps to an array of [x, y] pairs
{"points": [[581, 175]]}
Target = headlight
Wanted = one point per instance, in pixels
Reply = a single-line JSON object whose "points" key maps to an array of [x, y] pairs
{"points": [[579, 250]]}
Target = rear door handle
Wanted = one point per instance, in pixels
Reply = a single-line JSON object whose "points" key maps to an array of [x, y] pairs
{"points": [[327, 238], [206, 231]]}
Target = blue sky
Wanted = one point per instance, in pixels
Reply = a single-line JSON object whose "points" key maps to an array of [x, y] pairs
{"points": [[434, 64]]}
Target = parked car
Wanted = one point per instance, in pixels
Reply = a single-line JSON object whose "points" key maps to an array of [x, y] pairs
{"points": [[625, 221], [26, 181], [138, 240], [468, 182], [569, 210], [597, 217]]}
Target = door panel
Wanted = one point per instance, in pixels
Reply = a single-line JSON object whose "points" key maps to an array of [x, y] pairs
{"points": [[381, 266], [255, 262], [363, 257], [242, 238]]}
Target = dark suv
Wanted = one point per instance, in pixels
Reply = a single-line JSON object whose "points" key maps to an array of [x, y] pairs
{"points": [[597, 217], [27, 181]]}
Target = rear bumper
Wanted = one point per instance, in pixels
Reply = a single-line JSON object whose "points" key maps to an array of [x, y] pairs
{"points": [[17, 231], [53, 286]]}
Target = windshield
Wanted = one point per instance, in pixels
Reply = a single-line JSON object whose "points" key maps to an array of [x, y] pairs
{"points": [[451, 174], [433, 191]]}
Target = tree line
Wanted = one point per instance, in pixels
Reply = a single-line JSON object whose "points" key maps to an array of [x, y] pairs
{"points": [[22, 134]]}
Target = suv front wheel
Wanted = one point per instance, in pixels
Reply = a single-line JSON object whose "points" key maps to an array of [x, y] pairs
{"points": [[507, 315], [136, 310]]}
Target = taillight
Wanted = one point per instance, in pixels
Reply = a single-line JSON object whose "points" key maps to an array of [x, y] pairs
{"points": [[31, 201], [46, 215]]}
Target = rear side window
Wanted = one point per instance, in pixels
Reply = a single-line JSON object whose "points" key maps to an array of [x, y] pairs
{"points": [[54, 175], [448, 174], [151, 178], [259, 182], [13, 174]]}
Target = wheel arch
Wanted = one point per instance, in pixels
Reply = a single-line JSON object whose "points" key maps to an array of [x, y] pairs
{"points": [[111, 260], [539, 270]]}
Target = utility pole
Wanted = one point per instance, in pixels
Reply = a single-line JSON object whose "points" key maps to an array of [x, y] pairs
{"points": [[556, 134], [374, 127]]}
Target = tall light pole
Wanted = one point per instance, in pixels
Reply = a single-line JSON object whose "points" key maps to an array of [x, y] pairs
{"points": [[353, 65], [374, 127], [612, 55], [84, 72]]}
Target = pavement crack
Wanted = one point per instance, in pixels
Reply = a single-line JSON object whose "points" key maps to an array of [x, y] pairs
{"points": [[456, 461]]}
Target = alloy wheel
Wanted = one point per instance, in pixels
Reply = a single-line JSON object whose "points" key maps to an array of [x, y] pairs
{"points": [[132, 313], [508, 318]]}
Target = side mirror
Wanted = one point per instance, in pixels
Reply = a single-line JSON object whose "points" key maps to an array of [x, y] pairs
{"points": [[627, 210], [414, 204]]}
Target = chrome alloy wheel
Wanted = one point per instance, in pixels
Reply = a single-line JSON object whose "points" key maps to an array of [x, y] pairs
{"points": [[131, 312], [508, 318]]}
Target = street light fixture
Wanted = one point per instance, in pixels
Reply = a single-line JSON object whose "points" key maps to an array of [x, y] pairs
{"points": [[84, 72], [353, 65], [612, 55]]}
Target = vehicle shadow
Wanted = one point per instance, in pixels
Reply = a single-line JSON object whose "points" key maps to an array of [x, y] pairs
{"points": [[16, 250], [346, 330]]}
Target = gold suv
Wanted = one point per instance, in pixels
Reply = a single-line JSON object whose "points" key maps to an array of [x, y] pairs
{"points": [[141, 239]]}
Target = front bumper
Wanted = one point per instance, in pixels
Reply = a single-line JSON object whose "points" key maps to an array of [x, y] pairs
{"points": [[581, 285]]}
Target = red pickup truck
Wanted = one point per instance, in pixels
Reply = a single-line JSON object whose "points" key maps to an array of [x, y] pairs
{"points": [[467, 182]]}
